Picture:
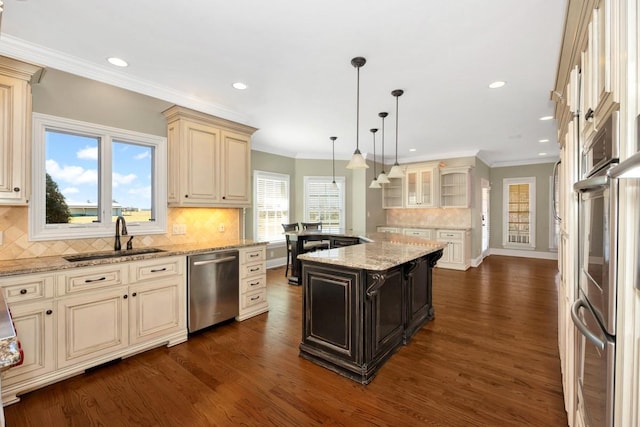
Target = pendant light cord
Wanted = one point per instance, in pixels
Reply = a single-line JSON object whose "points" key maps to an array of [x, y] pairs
{"points": [[358, 112], [397, 129]]}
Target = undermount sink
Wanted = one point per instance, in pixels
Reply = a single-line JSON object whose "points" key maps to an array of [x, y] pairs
{"points": [[111, 254]]}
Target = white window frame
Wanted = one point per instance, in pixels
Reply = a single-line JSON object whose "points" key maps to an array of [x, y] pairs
{"points": [[341, 182], [40, 231], [257, 174], [506, 182]]}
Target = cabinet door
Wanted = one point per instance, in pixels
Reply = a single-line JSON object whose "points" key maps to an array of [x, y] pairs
{"points": [[92, 325], [420, 188], [235, 167], [427, 180], [411, 185], [15, 110], [156, 309], [34, 324], [199, 169], [456, 252]]}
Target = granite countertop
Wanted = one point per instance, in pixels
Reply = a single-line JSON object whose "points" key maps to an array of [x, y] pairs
{"points": [[9, 348], [429, 227], [381, 252], [54, 263]]}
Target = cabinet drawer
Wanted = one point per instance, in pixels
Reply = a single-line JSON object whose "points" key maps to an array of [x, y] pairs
{"points": [[252, 270], [253, 283], [450, 235], [418, 232], [29, 288], [254, 298], [81, 279], [154, 269], [253, 255]]}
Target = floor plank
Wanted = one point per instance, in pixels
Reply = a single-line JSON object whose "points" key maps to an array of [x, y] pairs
{"points": [[489, 358]]}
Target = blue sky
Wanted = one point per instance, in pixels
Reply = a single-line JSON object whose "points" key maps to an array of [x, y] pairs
{"points": [[72, 162]]}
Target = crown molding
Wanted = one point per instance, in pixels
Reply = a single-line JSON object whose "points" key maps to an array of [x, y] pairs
{"points": [[22, 50]]}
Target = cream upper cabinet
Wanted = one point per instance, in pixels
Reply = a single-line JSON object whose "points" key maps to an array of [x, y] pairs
{"points": [[454, 187], [392, 194], [209, 160], [420, 183], [15, 130]]}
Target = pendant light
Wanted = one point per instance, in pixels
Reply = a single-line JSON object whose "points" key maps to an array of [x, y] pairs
{"points": [[383, 178], [333, 161], [396, 171], [357, 161], [374, 182]]}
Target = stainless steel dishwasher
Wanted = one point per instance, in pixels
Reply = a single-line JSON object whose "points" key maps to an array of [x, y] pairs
{"points": [[212, 288]]}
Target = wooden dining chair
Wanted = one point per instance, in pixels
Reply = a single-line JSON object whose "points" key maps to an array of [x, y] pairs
{"points": [[314, 244], [289, 227]]}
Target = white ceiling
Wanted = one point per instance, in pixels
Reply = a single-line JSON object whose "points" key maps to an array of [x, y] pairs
{"points": [[296, 58]]}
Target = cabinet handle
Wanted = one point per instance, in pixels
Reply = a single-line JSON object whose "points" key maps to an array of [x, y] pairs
{"points": [[158, 270], [254, 284], [253, 255], [125, 296], [254, 269], [186, 196], [95, 280], [255, 298], [224, 197], [48, 312], [16, 189], [23, 291], [134, 294]]}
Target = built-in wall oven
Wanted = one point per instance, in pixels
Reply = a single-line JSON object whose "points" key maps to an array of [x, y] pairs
{"points": [[594, 312]]}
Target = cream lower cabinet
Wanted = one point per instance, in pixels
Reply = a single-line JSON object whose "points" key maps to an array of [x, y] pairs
{"points": [[253, 282], [82, 317], [30, 298], [457, 254]]}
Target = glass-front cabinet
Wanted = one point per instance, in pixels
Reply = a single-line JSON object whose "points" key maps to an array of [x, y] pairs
{"points": [[420, 186]]}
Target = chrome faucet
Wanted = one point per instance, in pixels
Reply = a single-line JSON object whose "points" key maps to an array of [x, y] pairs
{"points": [[117, 245]]}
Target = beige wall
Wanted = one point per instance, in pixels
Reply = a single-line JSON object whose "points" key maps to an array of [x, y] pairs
{"points": [[542, 173]]}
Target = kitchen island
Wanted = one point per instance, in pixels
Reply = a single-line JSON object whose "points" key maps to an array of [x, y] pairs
{"points": [[363, 302]]}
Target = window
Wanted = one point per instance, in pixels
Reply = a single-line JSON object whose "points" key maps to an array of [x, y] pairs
{"points": [[271, 209], [519, 208], [86, 175], [323, 203]]}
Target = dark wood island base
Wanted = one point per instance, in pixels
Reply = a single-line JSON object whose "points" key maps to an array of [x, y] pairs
{"points": [[355, 318]]}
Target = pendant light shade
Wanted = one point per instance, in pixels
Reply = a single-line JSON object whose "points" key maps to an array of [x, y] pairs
{"points": [[357, 160], [374, 181], [383, 178], [396, 171], [333, 161]]}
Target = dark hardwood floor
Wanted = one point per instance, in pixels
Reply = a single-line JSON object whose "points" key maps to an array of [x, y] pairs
{"points": [[489, 358]]}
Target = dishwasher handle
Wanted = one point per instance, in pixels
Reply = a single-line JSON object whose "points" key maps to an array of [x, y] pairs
{"points": [[581, 326], [216, 261]]}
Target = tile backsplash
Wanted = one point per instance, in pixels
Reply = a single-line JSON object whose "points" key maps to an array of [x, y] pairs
{"points": [[430, 218], [202, 224]]}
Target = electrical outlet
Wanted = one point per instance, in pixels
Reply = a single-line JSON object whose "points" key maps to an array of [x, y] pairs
{"points": [[221, 228], [179, 229]]}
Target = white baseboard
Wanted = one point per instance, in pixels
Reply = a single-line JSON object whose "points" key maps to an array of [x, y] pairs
{"points": [[523, 254], [276, 262]]}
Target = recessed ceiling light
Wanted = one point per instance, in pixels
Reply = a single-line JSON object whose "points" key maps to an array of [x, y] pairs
{"points": [[543, 140], [497, 84], [546, 118], [542, 154], [412, 149], [117, 62], [239, 85]]}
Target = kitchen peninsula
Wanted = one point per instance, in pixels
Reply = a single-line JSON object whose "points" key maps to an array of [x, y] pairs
{"points": [[362, 302]]}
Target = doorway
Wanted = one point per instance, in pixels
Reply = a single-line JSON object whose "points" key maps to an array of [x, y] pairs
{"points": [[486, 196]]}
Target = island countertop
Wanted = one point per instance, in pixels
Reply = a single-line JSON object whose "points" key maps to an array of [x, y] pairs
{"points": [[381, 252]]}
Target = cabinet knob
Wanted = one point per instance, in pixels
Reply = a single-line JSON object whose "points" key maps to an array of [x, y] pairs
{"points": [[125, 296], [186, 196], [224, 197], [49, 312], [16, 189], [23, 291], [134, 294]]}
